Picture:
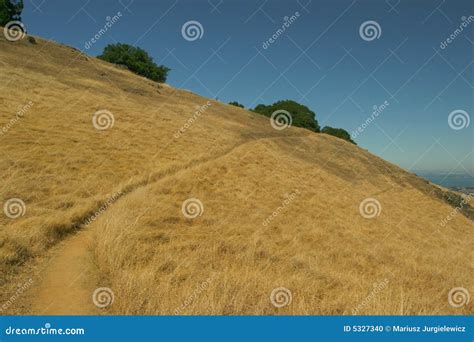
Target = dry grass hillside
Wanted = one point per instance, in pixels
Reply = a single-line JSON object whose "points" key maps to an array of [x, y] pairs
{"points": [[279, 208]]}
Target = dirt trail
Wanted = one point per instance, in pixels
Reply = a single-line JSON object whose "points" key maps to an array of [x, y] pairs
{"points": [[68, 278], [67, 283]]}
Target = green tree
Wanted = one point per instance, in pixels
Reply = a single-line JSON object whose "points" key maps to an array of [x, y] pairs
{"points": [[235, 103], [301, 115], [136, 60], [10, 10], [338, 132]]}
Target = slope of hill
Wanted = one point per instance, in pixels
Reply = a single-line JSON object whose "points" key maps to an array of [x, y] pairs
{"points": [[275, 211]]}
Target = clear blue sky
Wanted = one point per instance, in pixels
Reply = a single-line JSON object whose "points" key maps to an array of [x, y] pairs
{"points": [[320, 61]]}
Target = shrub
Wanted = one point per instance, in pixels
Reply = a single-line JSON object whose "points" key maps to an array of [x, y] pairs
{"points": [[338, 132], [10, 10], [136, 60], [235, 103], [301, 115]]}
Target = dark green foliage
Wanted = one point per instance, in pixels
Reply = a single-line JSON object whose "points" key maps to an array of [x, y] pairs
{"points": [[301, 115], [338, 132], [235, 103], [455, 200], [10, 10], [136, 60], [32, 40]]}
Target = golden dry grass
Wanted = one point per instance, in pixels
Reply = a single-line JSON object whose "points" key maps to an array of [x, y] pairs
{"points": [[318, 245]]}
